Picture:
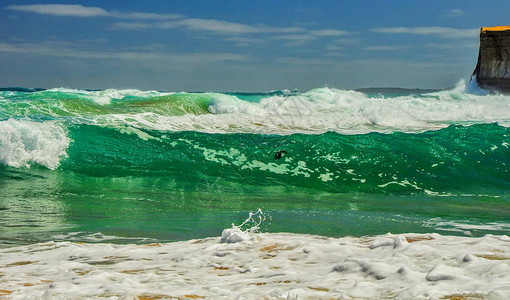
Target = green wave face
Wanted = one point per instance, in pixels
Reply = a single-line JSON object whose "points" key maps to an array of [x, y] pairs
{"points": [[90, 105], [178, 166], [456, 159]]}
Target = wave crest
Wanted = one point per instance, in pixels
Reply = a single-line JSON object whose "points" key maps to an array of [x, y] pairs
{"points": [[23, 143], [316, 111]]}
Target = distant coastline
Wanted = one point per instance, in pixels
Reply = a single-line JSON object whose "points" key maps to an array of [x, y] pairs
{"points": [[369, 90]]}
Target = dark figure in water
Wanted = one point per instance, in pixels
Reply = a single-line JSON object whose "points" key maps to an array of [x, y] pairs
{"points": [[278, 154]]}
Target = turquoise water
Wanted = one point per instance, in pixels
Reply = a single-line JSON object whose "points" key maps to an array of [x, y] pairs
{"points": [[139, 166]]}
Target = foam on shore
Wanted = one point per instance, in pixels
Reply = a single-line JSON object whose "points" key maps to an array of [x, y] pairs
{"points": [[270, 265]]}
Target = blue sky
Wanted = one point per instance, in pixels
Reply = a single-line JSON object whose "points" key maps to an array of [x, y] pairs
{"points": [[241, 45]]}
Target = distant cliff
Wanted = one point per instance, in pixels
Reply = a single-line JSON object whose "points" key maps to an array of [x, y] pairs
{"points": [[493, 68]]}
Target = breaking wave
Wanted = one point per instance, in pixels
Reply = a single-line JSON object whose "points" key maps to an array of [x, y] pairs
{"points": [[24, 143], [316, 111]]}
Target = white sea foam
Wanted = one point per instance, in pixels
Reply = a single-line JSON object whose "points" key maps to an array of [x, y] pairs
{"points": [[316, 111], [98, 237], [23, 143], [465, 226], [236, 234], [104, 97], [270, 266], [328, 109]]}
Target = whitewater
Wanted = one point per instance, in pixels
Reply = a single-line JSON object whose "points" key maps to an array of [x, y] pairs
{"points": [[280, 112], [126, 194]]}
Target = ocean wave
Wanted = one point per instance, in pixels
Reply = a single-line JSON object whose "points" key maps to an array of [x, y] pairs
{"points": [[449, 162], [325, 109], [24, 143], [102, 97], [313, 112], [454, 161]]}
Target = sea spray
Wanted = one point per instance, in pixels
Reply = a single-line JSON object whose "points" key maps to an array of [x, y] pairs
{"points": [[24, 143], [473, 88], [237, 234]]}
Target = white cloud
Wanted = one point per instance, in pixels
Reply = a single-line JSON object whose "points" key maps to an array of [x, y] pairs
{"points": [[295, 37], [443, 32], [304, 61], [74, 10], [335, 48], [132, 25], [456, 46], [70, 50], [209, 25], [222, 27], [329, 32], [455, 13], [77, 10], [294, 40], [347, 41], [143, 15], [386, 48], [242, 41]]}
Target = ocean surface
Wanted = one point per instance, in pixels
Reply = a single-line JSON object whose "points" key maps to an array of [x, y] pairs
{"points": [[130, 166]]}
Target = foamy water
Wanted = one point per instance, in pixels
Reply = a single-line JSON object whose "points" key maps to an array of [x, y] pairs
{"points": [[245, 264], [316, 111], [326, 109], [23, 143], [267, 265]]}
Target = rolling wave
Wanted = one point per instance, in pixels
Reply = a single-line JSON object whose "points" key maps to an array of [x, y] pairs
{"points": [[458, 159], [313, 112], [136, 133]]}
